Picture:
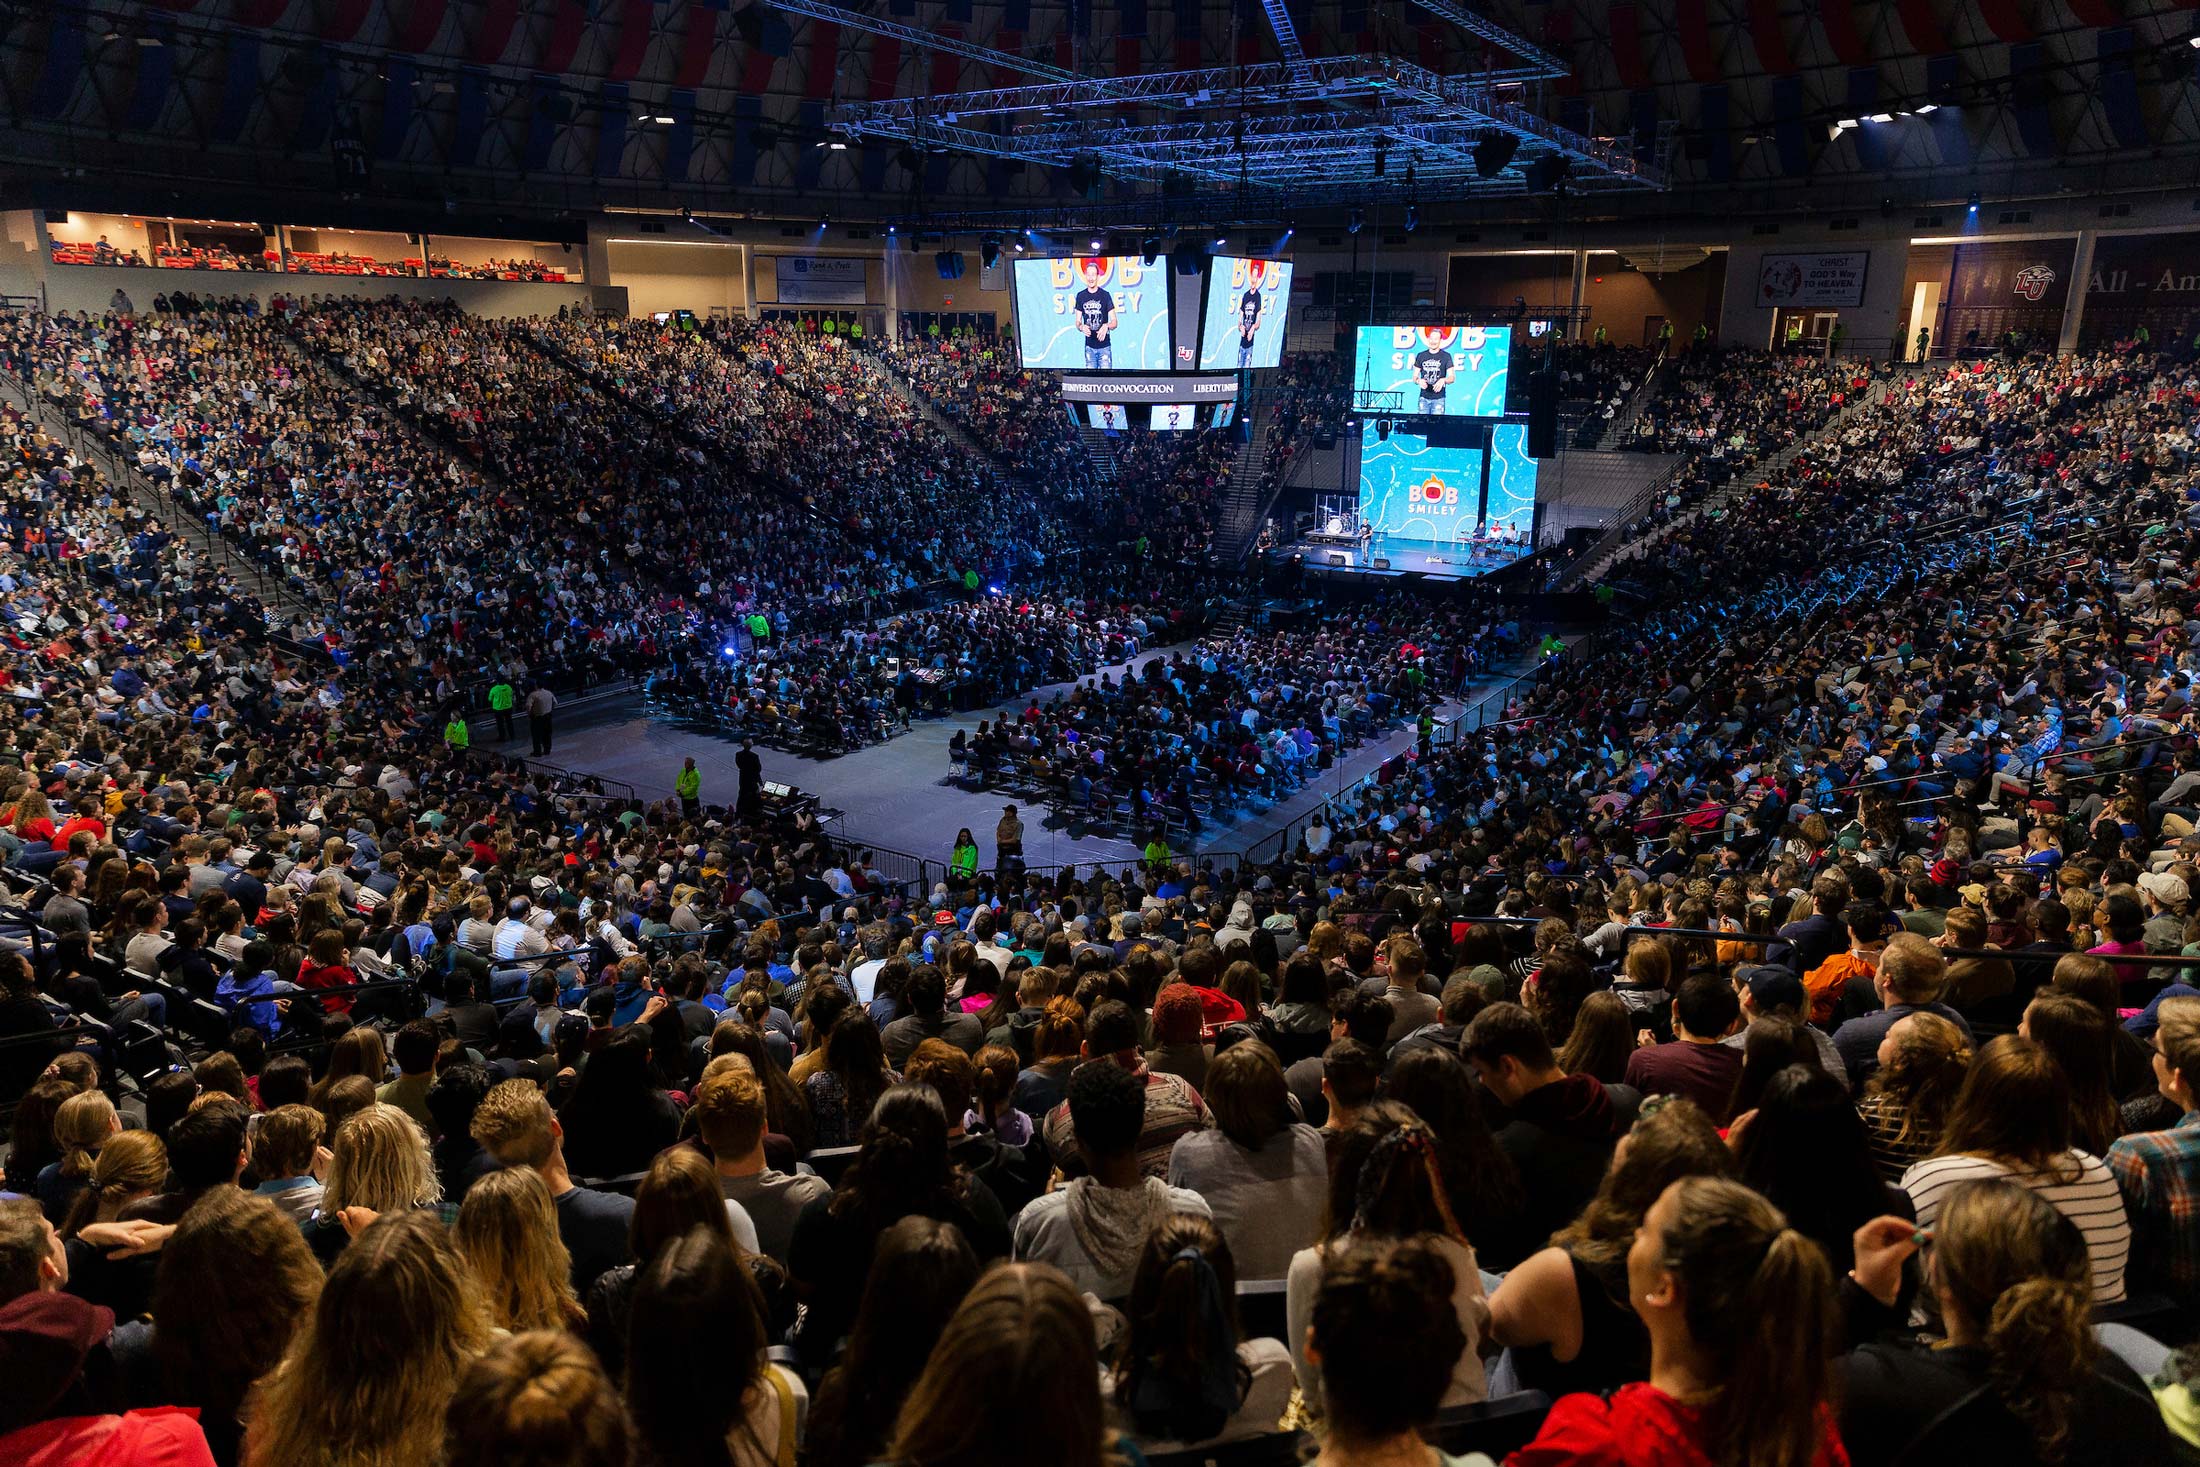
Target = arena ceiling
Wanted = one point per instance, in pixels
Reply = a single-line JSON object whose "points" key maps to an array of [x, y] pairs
{"points": [[549, 106]]}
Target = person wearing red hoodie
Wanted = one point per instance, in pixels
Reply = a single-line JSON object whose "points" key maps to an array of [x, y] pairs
{"points": [[60, 1405], [1742, 1318]]}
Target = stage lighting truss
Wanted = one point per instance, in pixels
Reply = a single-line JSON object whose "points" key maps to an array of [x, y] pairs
{"points": [[1298, 130]]}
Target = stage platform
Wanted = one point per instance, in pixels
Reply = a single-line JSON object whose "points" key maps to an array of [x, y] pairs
{"points": [[1389, 555]]}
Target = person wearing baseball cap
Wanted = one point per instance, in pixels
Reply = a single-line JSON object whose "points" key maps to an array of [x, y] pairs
{"points": [[1772, 991], [2167, 899]]}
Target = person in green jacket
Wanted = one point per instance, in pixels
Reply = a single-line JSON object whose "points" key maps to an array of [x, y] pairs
{"points": [[688, 785], [964, 863], [455, 734], [760, 626], [1156, 853], [502, 699]]}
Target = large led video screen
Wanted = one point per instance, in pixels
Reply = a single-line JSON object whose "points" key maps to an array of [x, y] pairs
{"points": [[1246, 303], [1412, 490], [1095, 312], [1512, 479], [1432, 371], [1173, 417], [1108, 415]]}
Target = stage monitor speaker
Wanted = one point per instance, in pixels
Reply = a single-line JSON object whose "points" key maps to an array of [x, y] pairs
{"points": [[1382, 563], [1336, 559], [950, 263], [1543, 414]]}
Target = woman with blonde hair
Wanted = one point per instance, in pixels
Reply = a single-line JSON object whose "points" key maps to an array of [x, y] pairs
{"points": [[373, 1366], [131, 1167], [508, 1229], [1326, 944], [538, 1399], [379, 1161], [1905, 1106], [2021, 1377], [81, 1127]]}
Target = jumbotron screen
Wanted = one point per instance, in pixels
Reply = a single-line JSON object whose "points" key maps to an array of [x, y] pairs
{"points": [[1512, 479], [1246, 304], [1173, 417], [1097, 313], [1433, 371], [1413, 490]]}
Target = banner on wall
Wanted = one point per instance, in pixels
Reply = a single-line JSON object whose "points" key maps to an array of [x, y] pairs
{"points": [[2131, 269], [2150, 280], [1785, 281], [815, 280], [1996, 287]]}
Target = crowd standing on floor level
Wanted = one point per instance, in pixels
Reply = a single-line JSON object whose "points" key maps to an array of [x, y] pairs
{"points": [[1478, 1158]]}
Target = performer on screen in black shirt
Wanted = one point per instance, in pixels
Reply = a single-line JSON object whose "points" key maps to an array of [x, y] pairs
{"points": [[1096, 314], [1434, 368]]}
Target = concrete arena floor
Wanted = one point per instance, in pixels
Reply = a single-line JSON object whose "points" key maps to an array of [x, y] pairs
{"points": [[894, 795]]}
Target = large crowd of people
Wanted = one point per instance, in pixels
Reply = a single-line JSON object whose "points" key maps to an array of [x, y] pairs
{"points": [[1755, 1049]]}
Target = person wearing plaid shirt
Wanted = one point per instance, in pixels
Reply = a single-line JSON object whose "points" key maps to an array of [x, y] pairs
{"points": [[2159, 1171]]}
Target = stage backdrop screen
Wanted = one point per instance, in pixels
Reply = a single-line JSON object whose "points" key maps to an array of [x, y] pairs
{"points": [[1447, 371], [1094, 312], [1411, 490], [1173, 417], [1512, 479], [1246, 303]]}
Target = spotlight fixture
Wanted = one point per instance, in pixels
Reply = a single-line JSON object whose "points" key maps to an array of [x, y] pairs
{"points": [[1098, 243], [1382, 429], [1547, 171], [824, 222], [1493, 153], [989, 250], [1353, 219], [1413, 217], [1149, 249], [1974, 203]]}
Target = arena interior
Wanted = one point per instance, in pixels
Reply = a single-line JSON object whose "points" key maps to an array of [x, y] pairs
{"points": [[953, 733]]}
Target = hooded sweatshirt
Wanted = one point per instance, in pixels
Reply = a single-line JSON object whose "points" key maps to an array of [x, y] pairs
{"points": [[1094, 1233], [53, 1354], [1561, 1137]]}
